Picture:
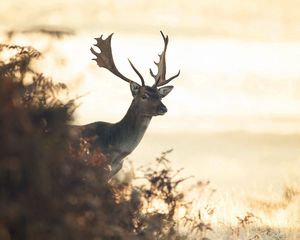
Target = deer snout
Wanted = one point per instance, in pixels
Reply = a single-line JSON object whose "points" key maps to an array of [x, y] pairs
{"points": [[162, 109]]}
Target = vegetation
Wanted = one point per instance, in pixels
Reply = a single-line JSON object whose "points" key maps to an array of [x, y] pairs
{"points": [[47, 191]]}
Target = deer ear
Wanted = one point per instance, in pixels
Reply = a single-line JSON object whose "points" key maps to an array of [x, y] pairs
{"points": [[164, 91], [134, 88]]}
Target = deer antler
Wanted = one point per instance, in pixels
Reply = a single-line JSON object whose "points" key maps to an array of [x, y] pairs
{"points": [[105, 58], [160, 77]]}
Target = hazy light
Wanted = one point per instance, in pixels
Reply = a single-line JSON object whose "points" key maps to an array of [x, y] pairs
{"points": [[234, 114]]}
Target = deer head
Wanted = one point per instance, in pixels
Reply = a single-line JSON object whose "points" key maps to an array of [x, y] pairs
{"points": [[147, 99]]}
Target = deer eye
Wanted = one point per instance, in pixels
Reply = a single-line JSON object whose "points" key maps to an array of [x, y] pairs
{"points": [[145, 96]]}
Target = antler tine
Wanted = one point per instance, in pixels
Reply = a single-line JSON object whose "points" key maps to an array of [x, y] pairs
{"points": [[160, 83], [137, 72], [105, 58], [160, 77]]}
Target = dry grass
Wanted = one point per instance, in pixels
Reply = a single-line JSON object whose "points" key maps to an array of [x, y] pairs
{"points": [[48, 192]]}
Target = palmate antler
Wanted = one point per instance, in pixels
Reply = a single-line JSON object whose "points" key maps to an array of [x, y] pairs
{"points": [[160, 77], [105, 58]]}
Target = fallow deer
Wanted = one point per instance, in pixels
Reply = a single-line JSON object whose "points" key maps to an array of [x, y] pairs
{"points": [[117, 140]]}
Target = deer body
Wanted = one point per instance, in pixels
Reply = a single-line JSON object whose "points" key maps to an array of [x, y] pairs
{"points": [[117, 140]]}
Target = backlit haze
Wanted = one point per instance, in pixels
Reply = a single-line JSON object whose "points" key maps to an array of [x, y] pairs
{"points": [[234, 114]]}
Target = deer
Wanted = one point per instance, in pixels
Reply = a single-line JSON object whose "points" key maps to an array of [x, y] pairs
{"points": [[117, 140]]}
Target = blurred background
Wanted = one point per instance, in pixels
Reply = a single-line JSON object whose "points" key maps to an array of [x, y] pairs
{"points": [[234, 114]]}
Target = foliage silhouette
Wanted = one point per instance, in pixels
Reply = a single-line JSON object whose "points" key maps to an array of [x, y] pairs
{"points": [[47, 189]]}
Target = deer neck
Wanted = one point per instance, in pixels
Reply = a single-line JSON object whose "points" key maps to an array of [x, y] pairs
{"points": [[132, 128]]}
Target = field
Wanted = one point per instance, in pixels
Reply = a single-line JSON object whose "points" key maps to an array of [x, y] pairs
{"points": [[223, 163]]}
